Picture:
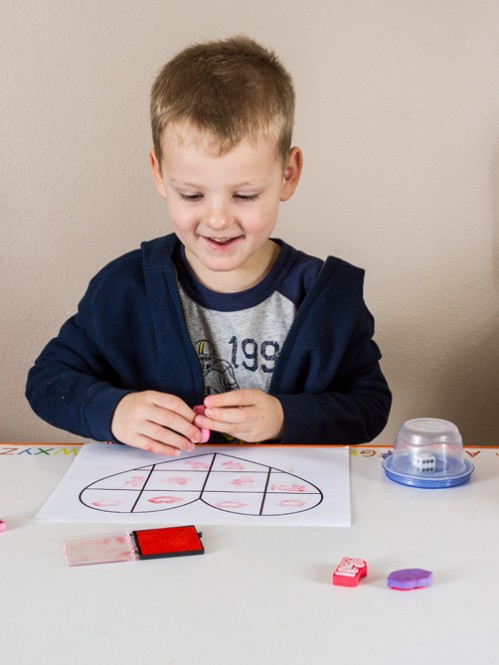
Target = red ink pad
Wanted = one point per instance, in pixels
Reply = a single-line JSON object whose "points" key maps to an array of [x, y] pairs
{"points": [[124, 546], [171, 541]]}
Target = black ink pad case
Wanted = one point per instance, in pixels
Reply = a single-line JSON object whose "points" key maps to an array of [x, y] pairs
{"points": [[125, 546]]}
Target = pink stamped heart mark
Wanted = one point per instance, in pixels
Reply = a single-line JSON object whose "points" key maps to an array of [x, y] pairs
{"points": [[205, 433]]}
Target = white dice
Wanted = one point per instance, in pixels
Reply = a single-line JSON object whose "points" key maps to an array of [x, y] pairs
{"points": [[424, 462]]}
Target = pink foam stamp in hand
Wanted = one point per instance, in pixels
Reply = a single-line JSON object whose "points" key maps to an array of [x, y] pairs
{"points": [[409, 578], [205, 433], [349, 571]]}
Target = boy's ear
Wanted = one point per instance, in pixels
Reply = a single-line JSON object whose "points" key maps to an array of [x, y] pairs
{"points": [[292, 172], [157, 175]]}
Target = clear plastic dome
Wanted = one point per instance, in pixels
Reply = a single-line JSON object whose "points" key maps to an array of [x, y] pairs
{"points": [[428, 452]]}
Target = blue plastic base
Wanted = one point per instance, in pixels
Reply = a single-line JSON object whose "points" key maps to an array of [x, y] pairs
{"points": [[430, 480]]}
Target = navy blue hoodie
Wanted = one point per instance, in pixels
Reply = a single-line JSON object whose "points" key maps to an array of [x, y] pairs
{"points": [[129, 334]]}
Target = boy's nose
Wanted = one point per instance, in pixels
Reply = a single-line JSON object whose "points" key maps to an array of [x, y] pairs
{"points": [[218, 218]]}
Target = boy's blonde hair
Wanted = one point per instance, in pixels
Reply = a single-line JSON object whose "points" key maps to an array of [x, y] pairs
{"points": [[231, 89]]}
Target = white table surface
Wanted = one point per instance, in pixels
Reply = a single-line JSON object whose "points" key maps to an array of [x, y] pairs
{"points": [[259, 594]]}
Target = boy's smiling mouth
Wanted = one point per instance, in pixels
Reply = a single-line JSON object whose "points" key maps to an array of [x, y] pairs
{"points": [[222, 242]]}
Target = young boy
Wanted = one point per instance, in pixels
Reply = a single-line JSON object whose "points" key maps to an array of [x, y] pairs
{"points": [[275, 344]]}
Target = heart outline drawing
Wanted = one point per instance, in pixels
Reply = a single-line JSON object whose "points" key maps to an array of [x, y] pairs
{"points": [[224, 482]]}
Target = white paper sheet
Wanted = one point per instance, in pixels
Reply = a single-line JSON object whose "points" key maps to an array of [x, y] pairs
{"points": [[253, 485]]}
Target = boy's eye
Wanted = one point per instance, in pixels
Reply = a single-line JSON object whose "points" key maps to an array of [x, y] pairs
{"points": [[191, 197], [246, 197], [194, 198]]}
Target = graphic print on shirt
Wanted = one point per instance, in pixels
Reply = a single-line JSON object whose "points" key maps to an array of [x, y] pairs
{"points": [[219, 376]]}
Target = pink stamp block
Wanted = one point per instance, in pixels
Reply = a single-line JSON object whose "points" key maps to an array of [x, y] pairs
{"points": [[349, 572], [205, 433]]}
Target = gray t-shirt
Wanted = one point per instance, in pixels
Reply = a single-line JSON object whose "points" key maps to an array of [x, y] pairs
{"points": [[238, 336]]}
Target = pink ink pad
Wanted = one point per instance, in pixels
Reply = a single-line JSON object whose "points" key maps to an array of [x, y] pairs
{"points": [[409, 578], [3, 526], [205, 433]]}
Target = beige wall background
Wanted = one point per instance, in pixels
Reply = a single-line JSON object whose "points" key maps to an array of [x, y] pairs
{"points": [[398, 119]]}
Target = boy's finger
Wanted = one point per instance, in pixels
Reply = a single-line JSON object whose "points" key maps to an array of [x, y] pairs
{"points": [[172, 403], [233, 398], [154, 446], [168, 427], [170, 437], [227, 416]]}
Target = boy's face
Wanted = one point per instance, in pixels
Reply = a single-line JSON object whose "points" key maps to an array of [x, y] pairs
{"points": [[224, 208]]}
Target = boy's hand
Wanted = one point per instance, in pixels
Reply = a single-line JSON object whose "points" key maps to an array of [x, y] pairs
{"points": [[251, 415], [158, 422]]}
